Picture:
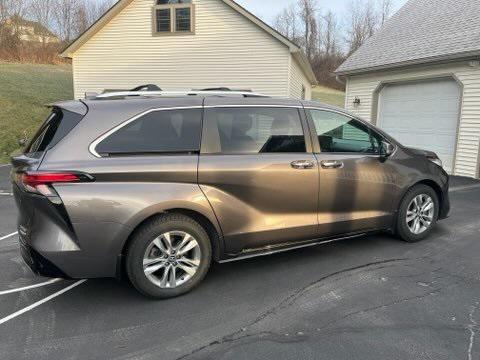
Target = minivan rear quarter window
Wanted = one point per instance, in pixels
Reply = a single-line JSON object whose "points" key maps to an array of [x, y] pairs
{"points": [[58, 124], [255, 130], [161, 131]]}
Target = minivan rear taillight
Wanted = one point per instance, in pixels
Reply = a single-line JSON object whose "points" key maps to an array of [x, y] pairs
{"points": [[40, 181]]}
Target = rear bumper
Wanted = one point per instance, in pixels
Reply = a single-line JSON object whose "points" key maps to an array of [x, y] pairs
{"points": [[39, 264], [52, 246]]}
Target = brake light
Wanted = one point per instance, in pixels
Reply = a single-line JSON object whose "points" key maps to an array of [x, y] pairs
{"points": [[39, 182]]}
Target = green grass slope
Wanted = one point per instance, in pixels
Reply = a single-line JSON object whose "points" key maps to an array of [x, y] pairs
{"points": [[24, 91], [329, 96]]}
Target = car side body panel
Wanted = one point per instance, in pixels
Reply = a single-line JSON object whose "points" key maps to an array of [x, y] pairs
{"points": [[252, 201]]}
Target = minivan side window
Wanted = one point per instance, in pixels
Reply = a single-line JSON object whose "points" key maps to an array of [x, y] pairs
{"points": [[338, 133], [162, 131], [255, 130]]}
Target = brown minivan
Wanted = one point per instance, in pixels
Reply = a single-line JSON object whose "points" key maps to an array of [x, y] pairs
{"points": [[158, 185]]}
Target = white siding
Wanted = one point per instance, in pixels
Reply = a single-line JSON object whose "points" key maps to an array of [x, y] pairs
{"points": [[227, 49], [297, 80], [365, 88]]}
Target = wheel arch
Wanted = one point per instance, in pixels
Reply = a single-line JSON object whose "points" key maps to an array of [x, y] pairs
{"points": [[428, 182], [213, 231]]}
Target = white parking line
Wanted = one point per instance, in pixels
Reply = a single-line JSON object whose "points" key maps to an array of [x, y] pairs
{"points": [[5, 165], [5, 194], [38, 303], [11, 291], [9, 235]]}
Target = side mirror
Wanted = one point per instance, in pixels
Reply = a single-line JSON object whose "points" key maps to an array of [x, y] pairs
{"points": [[387, 149]]}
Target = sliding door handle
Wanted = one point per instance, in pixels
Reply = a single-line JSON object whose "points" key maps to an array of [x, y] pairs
{"points": [[331, 164], [303, 164]]}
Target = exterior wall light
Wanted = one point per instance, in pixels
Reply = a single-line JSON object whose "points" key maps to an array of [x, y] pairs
{"points": [[356, 101]]}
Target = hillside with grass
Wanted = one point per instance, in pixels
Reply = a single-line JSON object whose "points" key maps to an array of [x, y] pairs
{"points": [[24, 91], [329, 96]]}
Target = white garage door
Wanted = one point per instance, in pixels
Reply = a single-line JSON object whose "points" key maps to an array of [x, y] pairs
{"points": [[422, 115]]}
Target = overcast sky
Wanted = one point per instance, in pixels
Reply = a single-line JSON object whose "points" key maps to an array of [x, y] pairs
{"points": [[268, 9]]}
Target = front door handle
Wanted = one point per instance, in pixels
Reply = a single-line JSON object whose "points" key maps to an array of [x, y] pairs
{"points": [[332, 164], [303, 164]]}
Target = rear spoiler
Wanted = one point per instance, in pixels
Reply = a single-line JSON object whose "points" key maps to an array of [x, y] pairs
{"points": [[78, 107]]}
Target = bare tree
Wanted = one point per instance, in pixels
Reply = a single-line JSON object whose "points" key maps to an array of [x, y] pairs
{"points": [[385, 8], [287, 23], [363, 22], [41, 12], [64, 12], [308, 10], [329, 34]]}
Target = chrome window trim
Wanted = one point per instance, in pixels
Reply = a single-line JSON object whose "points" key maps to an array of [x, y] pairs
{"points": [[253, 106], [94, 144]]}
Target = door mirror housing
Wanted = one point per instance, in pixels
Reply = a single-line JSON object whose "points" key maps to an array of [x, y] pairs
{"points": [[387, 149]]}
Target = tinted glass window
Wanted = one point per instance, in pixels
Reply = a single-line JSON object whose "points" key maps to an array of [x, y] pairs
{"points": [[339, 134], [163, 20], [182, 18], [256, 130], [156, 132], [58, 124]]}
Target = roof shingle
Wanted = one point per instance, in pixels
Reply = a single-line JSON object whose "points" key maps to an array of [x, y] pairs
{"points": [[422, 31]]}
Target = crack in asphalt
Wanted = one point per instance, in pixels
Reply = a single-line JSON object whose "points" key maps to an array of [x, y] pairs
{"points": [[472, 329], [289, 300]]}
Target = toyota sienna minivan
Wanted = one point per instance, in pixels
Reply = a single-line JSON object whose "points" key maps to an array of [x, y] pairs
{"points": [[157, 185]]}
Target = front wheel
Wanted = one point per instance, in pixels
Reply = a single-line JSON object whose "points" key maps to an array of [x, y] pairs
{"points": [[418, 213], [168, 256]]}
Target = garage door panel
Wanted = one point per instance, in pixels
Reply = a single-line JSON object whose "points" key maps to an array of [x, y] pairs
{"points": [[422, 115]]}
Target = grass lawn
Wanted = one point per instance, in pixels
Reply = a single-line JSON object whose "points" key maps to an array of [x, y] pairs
{"points": [[24, 91], [329, 96]]}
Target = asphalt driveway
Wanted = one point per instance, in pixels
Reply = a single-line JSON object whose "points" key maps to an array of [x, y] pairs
{"points": [[366, 298]]}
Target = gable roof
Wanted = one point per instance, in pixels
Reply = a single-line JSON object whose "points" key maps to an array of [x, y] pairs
{"points": [[422, 31], [295, 50]]}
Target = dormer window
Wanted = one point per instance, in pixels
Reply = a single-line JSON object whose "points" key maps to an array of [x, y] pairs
{"points": [[173, 17]]}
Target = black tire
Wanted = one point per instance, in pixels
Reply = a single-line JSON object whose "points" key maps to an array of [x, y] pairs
{"points": [[144, 237], [402, 229]]}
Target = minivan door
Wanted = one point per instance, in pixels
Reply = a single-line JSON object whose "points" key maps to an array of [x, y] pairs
{"points": [[357, 184], [258, 171]]}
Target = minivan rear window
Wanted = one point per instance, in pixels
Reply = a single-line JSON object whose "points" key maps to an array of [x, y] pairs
{"points": [[58, 124], [161, 131]]}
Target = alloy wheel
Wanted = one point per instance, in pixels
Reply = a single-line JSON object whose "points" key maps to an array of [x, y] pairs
{"points": [[420, 213], [171, 259]]}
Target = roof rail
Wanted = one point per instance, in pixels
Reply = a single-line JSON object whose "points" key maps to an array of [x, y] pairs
{"points": [[222, 88], [124, 94]]}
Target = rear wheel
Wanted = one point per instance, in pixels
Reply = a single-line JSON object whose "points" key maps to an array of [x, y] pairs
{"points": [[168, 256], [418, 213]]}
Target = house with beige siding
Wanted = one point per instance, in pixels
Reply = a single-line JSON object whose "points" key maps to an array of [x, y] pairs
{"points": [[418, 78], [187, 44]]}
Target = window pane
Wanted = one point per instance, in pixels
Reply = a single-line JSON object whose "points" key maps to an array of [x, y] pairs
{"points": [[167, 2], [159, 131], [257, 130], [163, 20], [55, 128], [182, 17], [339, 133]]}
